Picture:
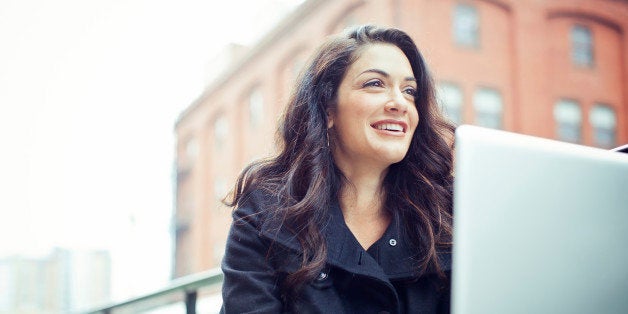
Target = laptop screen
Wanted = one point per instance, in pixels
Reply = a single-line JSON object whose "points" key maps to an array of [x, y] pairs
{"points": [[540, 226]]}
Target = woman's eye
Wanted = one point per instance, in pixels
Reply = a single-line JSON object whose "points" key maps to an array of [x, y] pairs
{"points": [[410, 91], [373, 83]]}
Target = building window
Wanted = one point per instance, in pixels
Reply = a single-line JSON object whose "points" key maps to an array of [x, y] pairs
{"points": [[220, 188], [256, 108], [183, 262], [219, 251], [297, 67], [568, 117], [191, 149], [581, 46], [450, 97], [221, 130], [466, 25], [488, 105], [603, 120]]}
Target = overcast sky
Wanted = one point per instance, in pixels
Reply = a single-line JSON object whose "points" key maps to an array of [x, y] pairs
{"points": [[89, 93]]}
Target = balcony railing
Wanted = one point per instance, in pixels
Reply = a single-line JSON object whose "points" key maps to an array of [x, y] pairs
{"points": [[184, 289]]}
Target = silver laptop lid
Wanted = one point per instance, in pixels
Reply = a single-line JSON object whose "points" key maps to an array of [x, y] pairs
{"points": [[540, 226]]}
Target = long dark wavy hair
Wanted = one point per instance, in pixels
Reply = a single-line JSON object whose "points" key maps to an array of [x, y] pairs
{"points": [[305, 179]]}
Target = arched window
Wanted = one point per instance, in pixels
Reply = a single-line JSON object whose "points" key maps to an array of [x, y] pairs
{"points": [[581, 46], [466, 25]]}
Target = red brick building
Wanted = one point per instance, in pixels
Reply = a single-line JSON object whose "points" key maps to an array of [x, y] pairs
{"points": [[551, 68]]}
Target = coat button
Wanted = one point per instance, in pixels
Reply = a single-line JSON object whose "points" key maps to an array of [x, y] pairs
{"points": [[392, 242], [322, 276]]}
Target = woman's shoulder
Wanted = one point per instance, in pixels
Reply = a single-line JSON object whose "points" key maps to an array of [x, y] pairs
{"points": [[258, 203], [262, 208]]}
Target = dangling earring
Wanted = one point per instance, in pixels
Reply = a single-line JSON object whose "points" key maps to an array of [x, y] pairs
{"points": [[327, 137]]}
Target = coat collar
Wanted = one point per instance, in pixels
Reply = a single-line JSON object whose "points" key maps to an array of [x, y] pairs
{"points": [[392, 257]]}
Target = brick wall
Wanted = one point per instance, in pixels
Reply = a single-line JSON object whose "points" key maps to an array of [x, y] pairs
{"points": [[523, 54]]}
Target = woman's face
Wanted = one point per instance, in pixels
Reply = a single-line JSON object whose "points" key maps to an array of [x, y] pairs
{"points": [[375, 115]]}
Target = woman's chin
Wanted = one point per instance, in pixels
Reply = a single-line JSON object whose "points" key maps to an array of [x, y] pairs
{"points": [[390, 158]]}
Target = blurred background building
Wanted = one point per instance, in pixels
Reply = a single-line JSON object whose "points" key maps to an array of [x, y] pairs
{"points": [[63, 282], [551, 68]]}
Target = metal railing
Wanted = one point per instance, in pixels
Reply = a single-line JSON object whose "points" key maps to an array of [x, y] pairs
{"points": [[181, 289]]}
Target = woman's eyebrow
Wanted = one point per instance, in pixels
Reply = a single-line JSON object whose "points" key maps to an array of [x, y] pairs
{"points": [[386, 75]]}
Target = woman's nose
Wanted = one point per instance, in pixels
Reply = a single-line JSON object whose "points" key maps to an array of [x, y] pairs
{"points": [[397, 102]]}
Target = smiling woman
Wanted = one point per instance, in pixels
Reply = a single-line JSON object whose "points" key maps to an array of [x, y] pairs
{"points": [[375, 117], [354, 214]]}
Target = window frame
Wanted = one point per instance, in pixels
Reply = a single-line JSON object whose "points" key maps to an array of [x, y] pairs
{"points": [[557, 120], [582, 44], [446, 106], [255, 107], [479, 113], [460, 31], [595, 126], [221, 130]]}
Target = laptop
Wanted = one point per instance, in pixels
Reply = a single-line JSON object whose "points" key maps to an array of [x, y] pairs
{"points": [[540, 226]]}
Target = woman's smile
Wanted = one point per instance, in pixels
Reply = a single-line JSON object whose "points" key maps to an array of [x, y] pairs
{"points": [[391, 127]]}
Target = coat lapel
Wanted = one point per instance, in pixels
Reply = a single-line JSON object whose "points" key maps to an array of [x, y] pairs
{"points": [[394, 262]]}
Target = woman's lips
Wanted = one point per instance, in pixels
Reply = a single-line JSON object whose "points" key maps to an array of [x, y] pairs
{"points": [[390, 126]]}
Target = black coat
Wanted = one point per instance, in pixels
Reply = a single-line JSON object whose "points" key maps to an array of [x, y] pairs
{"points": [[380, 280]]}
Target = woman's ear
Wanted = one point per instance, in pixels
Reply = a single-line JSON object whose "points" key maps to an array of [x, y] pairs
{"points": [[330, 119]]}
